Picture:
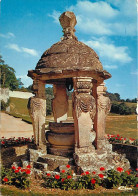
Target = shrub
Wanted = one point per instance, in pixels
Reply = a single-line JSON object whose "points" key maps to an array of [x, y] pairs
{"points": [[16, 176], [122, 109], [120, 178], [129, 178], [113, 179]]}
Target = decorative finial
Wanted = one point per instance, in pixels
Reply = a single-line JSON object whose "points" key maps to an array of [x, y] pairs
{"points": [[68, 22]]}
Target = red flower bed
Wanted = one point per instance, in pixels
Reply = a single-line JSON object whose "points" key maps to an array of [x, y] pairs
{"points": [[119, 139], [15, 142], [111, 178]]}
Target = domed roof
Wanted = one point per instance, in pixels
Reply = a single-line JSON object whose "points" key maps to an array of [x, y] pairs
{"points": [[69, 53], [69, 57]]}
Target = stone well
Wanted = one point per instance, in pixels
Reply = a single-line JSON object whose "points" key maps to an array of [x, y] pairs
{"points": [[71, 65], [61, 139]]}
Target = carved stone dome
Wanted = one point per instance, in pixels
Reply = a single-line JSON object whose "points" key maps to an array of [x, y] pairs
{"points": [[69, 54], [68, 57]]}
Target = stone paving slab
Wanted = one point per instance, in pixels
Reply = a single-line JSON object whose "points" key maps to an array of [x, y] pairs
{"points": [[14, 127]]}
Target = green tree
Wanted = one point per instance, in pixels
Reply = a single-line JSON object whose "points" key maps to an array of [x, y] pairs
{"points": [[122, 109], [113, 96], [128, 100], [49, 97], [134, 100], [30, 88], [7, 75]]}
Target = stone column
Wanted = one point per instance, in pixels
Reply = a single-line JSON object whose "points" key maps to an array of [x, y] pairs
{"points": [[60, 102], [103, 108], [37, 110], [84, 109]]}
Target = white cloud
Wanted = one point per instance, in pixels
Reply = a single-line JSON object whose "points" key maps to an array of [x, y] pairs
{"points": [[11, 34], [95, 26], [25, 80], [55, 15], [98, 9], [7, 35], [135, 73], [101, 18], [120, 85], [110, 66], [30, 51], [15, 47], [108, 50]]}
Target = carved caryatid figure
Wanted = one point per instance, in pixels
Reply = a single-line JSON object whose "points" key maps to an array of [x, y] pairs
{"points": [[37, 111], [103, 108], [84, 111]]}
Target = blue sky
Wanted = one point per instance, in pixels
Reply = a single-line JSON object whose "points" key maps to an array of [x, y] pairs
{"points": [[29, 27]]}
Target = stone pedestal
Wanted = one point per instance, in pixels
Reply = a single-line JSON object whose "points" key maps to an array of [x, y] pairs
{"points": [[61, 139]]}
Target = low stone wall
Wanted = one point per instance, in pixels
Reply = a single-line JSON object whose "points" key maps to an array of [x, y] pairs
{"points": [[13, 154], [129, 151], [19, 94], [5, 94]]}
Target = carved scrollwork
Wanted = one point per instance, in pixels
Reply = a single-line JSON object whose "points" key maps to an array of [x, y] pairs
{"points": [[85, 103], [104, 104], [84, 85]]}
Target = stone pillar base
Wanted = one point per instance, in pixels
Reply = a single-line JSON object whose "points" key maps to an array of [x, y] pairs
{"points": [[94, 159], [103, 144]]}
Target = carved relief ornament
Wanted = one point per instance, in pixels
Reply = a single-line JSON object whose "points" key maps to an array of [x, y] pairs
{"points": [[83, 100], [104, 103], [36, 105]]}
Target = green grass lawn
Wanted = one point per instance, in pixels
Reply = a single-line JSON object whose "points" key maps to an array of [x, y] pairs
{"points": [[8, 192], [18, 105], [125, 125]]}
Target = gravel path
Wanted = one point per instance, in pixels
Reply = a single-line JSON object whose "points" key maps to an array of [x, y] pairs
{"points": [[14, 127]]}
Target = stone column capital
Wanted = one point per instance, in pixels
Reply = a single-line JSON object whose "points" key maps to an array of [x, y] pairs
{"points": [[39, 88]]}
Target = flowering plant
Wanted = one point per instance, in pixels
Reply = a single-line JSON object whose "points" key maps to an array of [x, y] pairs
{"points": [[16, 176], [64, 180], [90, 180], [119, 139], [119, 177], [15, 141]]}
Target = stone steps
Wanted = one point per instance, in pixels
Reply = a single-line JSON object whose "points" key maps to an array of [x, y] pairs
{"points": [[54, 162], [40, 166]]}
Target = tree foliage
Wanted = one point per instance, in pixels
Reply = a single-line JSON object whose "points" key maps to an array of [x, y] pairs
{"points": [[113, 96], [49, 97], [116, 97], [7, 75], [122, 109]]}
